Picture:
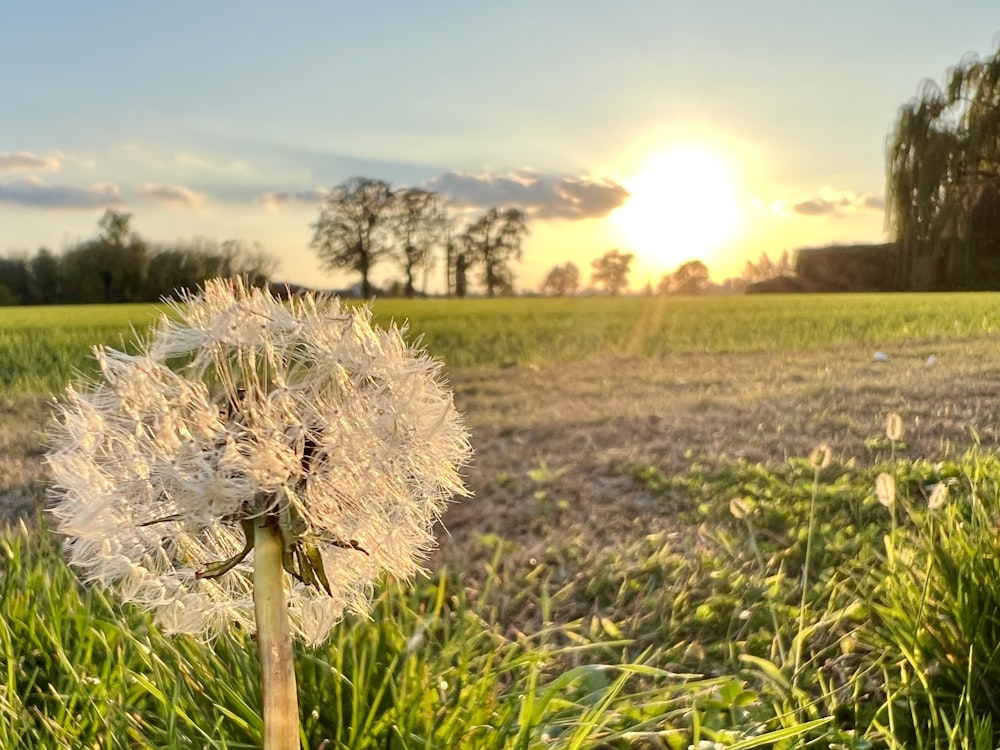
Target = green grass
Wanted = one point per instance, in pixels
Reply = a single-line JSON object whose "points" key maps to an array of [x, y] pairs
{"points": [[701, 635], [785, 607], [41, 347]]}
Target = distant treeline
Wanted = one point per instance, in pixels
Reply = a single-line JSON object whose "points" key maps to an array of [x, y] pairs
{"points": [[119, 266]]}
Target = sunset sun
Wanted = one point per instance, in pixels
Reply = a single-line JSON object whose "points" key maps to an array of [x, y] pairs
{"points": [[683, 206]]}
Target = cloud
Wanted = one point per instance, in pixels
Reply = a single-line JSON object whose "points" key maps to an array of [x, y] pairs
{"points": [[25, 161], [814, 207], [278, 200], [542, 196], [36, 194], [176, 196], [830, 202]]}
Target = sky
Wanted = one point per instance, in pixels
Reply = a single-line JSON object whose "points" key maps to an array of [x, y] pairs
{"points": [[675, 130]]}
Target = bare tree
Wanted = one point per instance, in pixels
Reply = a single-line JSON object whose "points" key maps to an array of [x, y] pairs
{"points": [[492, 241], [611, 271], [418, 224], [353, 227], [562, 280]]}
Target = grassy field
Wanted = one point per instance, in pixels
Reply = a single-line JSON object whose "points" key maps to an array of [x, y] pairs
{"points": [[800, 603], [41, 347]]}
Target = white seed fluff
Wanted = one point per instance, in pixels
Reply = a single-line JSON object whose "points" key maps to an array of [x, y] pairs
{"points": [[240, 404]]}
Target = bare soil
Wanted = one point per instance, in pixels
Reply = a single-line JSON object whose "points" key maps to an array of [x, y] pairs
{"points": [[556, 446], [591, 424]]}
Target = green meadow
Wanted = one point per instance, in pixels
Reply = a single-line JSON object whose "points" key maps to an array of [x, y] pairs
{"points": [[42, 347], [800, 603]]}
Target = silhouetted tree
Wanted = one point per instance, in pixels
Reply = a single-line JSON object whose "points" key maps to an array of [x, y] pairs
{"points": [[418, 223], [765, 268], [119, 266], [110, 268], [611, 271], [15, 276], [943, 167], [352, 229], [562, 280], [691, 277], [492, 241], [45, 272], [461, 281]]}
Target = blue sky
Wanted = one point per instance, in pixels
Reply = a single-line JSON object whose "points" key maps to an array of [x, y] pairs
{"points": [[228, 119]]}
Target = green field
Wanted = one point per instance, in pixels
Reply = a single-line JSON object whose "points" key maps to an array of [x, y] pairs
{"points": [[785, 605], [41, 347]]}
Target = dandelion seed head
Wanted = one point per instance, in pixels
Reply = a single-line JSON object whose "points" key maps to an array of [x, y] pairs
{"points": [[240, 405]]}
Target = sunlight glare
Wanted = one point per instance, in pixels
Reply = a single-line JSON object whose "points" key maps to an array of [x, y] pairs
{"points": [[683, 206]]}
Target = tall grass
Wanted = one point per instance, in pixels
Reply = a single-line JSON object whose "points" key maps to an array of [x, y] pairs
{"points": [[427, 671], [707, 633]]}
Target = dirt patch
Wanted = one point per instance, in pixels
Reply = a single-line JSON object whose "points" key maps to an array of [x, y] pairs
{"points": [[22, 475], [556, 445], [582, 428]]}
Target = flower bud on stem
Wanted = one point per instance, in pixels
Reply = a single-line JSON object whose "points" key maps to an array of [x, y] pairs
{"points": [[274, 640]]}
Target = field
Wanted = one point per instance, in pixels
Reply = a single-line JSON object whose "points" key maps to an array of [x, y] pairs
{"points": [[656, 556]]}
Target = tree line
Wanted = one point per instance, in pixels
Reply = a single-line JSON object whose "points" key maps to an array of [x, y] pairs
{"points": [[364, 222], [118, 265]]}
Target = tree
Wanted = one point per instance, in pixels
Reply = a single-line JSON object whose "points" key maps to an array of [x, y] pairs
{"points": [[492, 241], [461, 271], [943, 166], [562, 280], [689, 278], [765, 268], [110, 268], [611, 271], [352, 229], [45, 272], [418, 224]]}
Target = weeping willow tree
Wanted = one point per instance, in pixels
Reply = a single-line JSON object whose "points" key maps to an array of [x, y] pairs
{"points": [[943, 166]]}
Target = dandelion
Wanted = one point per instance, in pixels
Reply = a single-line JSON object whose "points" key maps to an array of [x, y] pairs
{"points": [[938, 497], [302, 433], [894, 427], [885, 489]]}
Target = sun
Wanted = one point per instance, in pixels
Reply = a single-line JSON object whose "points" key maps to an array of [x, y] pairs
{"points": [[683, 206]]}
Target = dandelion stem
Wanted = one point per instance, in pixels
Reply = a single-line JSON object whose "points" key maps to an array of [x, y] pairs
{"points": [[274, 640]]}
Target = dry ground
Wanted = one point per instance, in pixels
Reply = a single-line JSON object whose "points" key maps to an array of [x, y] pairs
{"points": [[556, 445]]}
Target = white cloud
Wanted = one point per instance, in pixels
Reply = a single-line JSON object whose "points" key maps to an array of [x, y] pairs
{"points": [[34, 193], [25, 161], [176, 196], [542, 196], [829, 202]]}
